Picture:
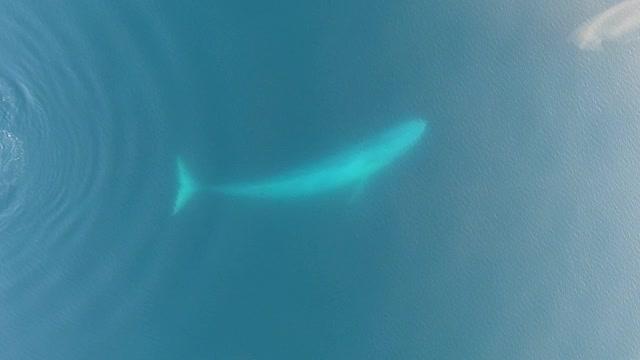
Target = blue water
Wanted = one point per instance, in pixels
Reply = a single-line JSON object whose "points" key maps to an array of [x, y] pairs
{"points": [[512, 233]]}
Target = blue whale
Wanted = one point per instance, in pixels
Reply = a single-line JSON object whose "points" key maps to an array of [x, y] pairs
{"points": [[352, 166]]}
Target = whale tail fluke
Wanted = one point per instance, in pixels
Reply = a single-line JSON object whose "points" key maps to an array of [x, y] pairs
{"points": [[187, 186]]}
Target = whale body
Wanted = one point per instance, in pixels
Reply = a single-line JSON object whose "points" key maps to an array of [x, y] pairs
{"points": [[352, 166]]}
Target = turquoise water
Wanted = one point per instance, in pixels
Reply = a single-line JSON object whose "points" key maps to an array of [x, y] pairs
{"points": [[511, 233]]}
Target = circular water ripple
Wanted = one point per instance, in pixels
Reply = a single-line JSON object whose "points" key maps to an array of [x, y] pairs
{"points": [[11, 166], [13, 102], [53, 147], [11, 159], [76, 122]]}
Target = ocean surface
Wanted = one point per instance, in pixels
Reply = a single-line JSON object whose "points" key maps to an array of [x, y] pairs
{"points": [[512, 231]]}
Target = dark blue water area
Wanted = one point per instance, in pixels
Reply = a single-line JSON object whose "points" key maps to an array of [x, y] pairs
{"points": [[508, 232]]}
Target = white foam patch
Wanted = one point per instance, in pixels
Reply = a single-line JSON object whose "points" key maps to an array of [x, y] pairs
{"points": [[620, 22]]}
